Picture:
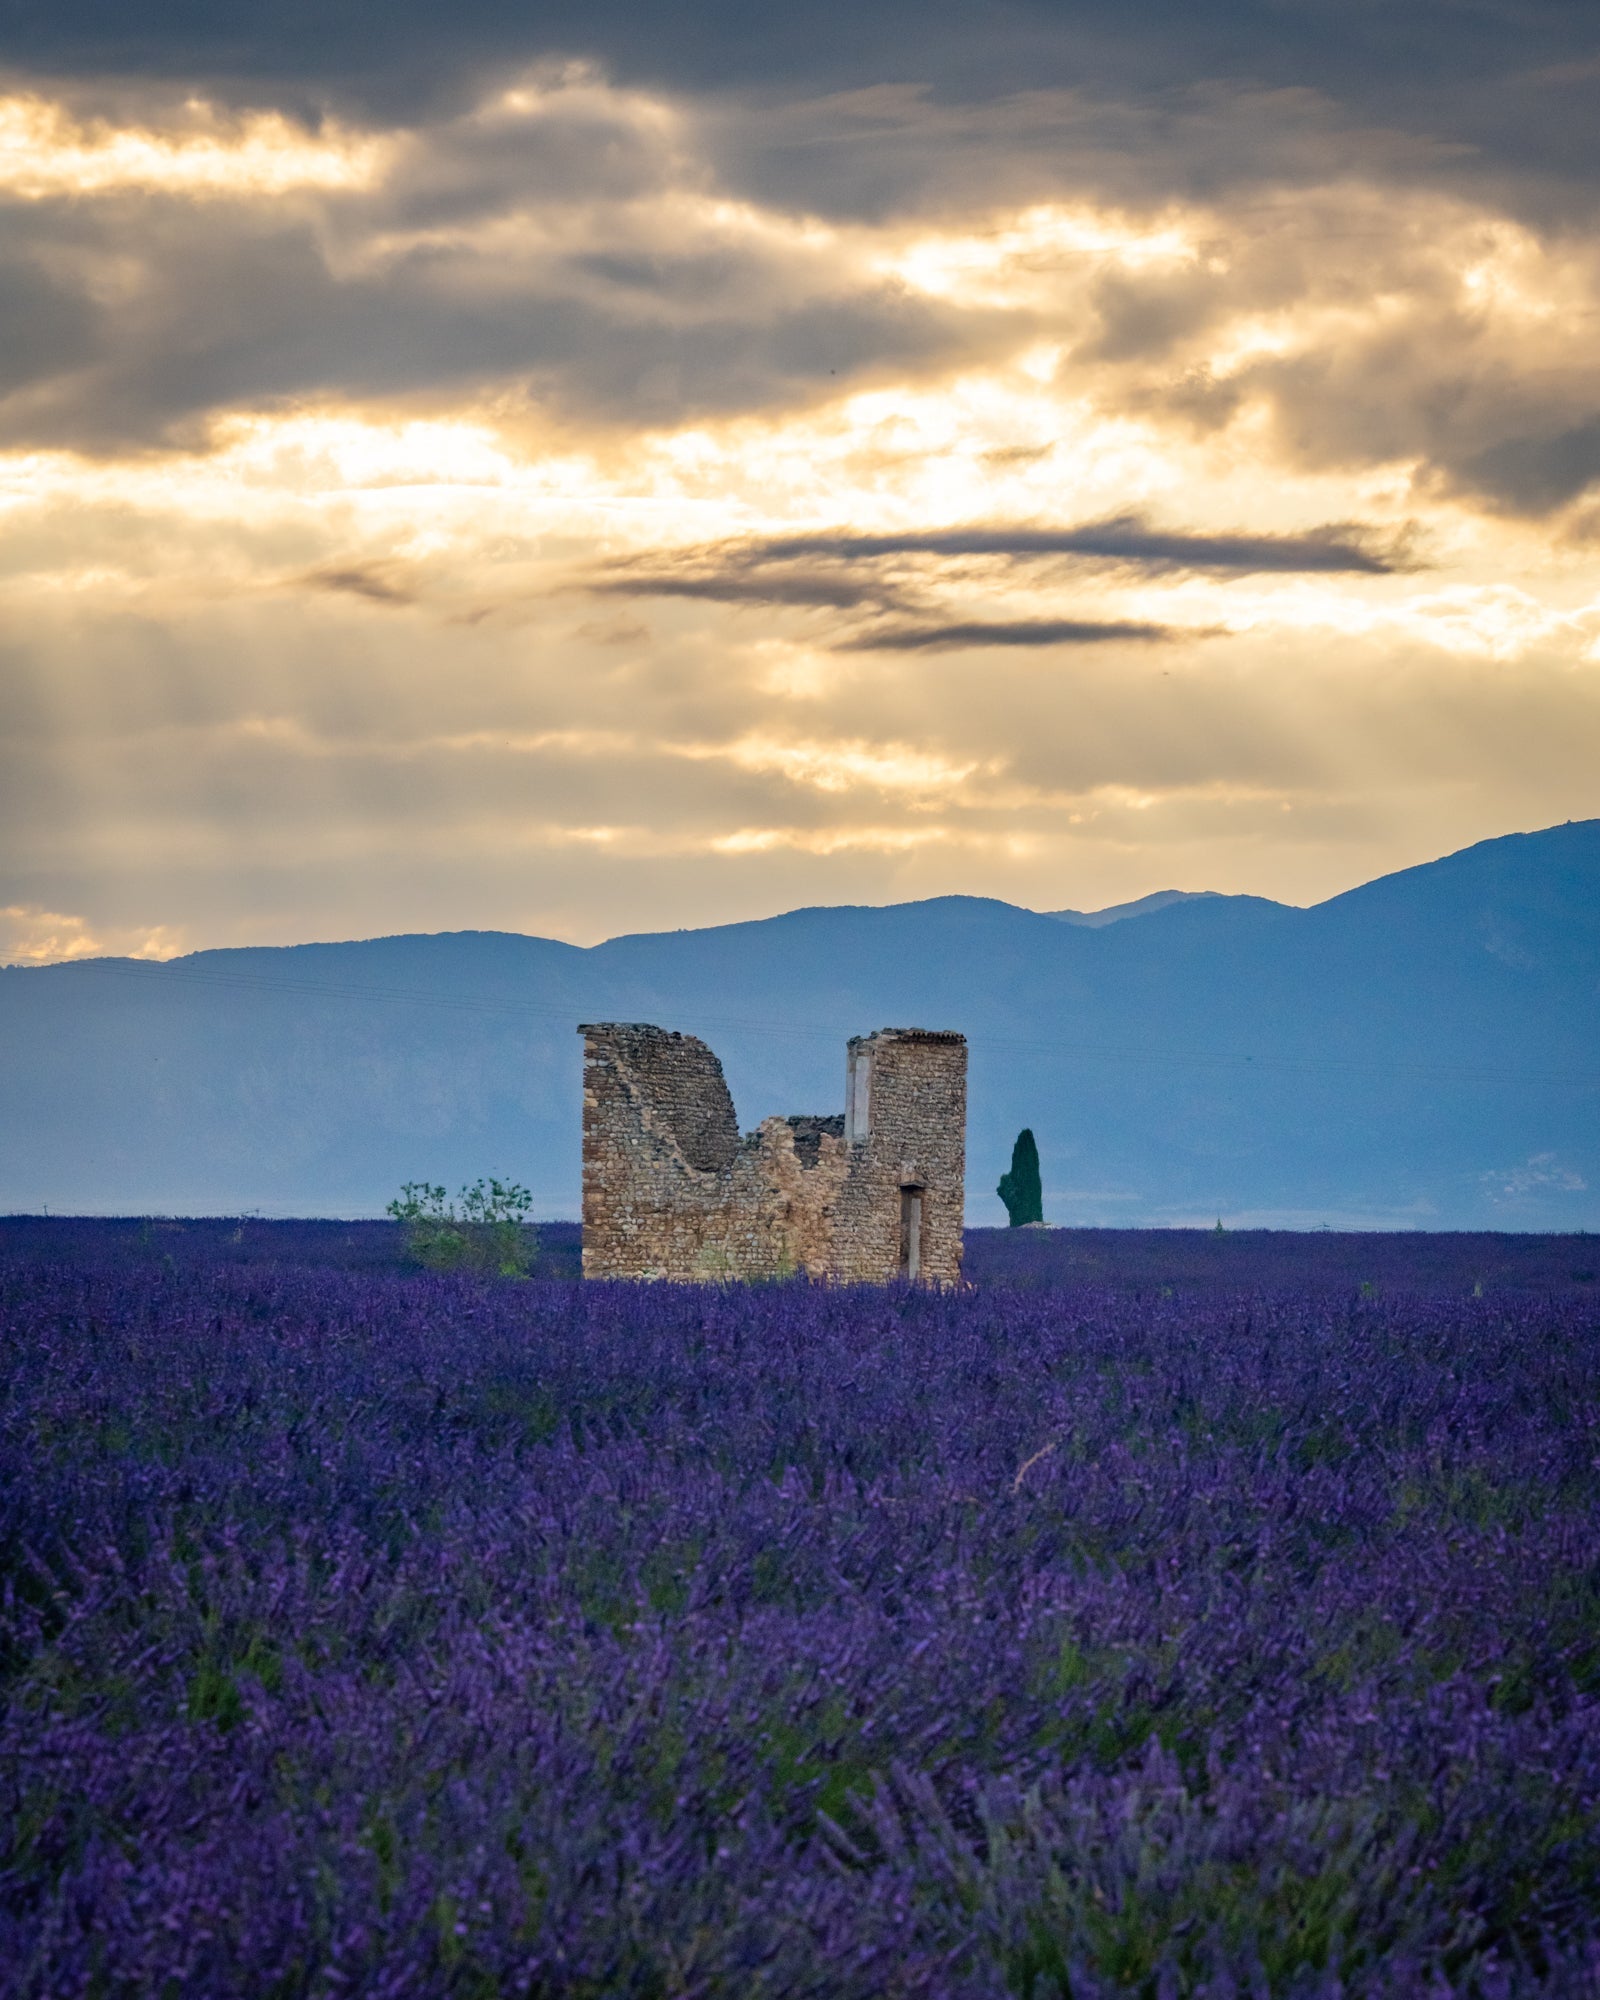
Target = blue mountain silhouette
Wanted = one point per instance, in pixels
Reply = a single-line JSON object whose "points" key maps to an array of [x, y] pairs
{"points": [[1420, 1052]]}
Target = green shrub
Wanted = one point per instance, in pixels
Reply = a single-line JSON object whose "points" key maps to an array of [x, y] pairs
{"points": [[1020, 1189], [484, 1229]]}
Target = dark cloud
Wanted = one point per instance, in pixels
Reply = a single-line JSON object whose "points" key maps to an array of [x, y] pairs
{"points": [[235, 306], [561, 243], [1126, 538], [1439, 391], [956, 633], [1143, 318], [1535, 475], [46, 326], [539, 259], [821, 589], [842, 571], [374, 581], [1464, 68]]}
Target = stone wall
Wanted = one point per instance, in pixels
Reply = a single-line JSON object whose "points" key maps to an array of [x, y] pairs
{"points": [[914, 1101], [670, 1189]]}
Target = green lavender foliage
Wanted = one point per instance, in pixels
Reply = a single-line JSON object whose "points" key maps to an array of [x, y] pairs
{"points": [[1020, 1189], [484, 1229]]}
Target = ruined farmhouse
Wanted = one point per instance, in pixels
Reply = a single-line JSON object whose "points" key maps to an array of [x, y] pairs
{"points": [[671, 1190]]}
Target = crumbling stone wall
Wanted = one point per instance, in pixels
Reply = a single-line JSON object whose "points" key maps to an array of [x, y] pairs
{"points": [[671, 1190]]}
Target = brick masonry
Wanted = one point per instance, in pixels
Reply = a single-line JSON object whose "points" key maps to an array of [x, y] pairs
{"points": [[671, 1189]]}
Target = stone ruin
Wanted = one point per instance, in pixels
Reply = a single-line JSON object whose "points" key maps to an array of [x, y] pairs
{"points": [[671, 1190]]}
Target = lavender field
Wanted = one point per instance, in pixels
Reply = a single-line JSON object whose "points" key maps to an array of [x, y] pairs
{"points": [[1130, 1623]]}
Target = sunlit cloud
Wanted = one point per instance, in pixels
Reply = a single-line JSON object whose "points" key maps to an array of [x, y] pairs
{"points": [[844, 766], [32, 936], [551, 487], [45, 151], [1489, 621], [1020, 260], [829, 841]]}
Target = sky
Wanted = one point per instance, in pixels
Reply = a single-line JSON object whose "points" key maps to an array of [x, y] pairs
{"points": [[583, 469]]}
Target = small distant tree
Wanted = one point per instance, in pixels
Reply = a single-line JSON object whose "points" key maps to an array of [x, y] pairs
{"points": [[1020, 1189], [485, 1228]]}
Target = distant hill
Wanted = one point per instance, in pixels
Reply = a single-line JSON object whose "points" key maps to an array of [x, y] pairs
{"points": [[1420, 1053], [1143, 906]]}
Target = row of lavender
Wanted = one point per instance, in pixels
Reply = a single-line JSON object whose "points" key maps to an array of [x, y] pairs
{"points": [[386, 1634], [1248, 1259]]}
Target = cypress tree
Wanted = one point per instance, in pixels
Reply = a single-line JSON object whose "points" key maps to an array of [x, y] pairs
{"points": [[1020, 1189]]}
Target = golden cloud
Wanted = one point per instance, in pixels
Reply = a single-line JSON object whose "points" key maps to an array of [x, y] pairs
{"points": [[33, 936], [45, 151], [303, 534]]}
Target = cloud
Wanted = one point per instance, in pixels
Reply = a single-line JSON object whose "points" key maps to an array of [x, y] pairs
{"points": [[858, 365], [558, 244], [739, 586], [1005, 632], [1126, 538], [849, 571], [1540, 1174], [45, 151], [577, 254], [1536, 475], [372, 581], [1497, 84], [33, 936], [279, 765]]}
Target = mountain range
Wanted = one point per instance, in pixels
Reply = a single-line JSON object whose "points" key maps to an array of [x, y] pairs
{"points": [[1420, 1052]]}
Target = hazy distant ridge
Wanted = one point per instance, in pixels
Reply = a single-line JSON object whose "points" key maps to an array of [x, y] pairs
{"points": [[1143, 906], [1421, 1051]]}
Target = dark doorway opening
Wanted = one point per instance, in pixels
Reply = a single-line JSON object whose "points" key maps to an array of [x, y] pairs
{"points": [[911, 1232]]}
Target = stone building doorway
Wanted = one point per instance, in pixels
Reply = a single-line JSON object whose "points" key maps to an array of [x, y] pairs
{"points": [[911, 1233]]}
